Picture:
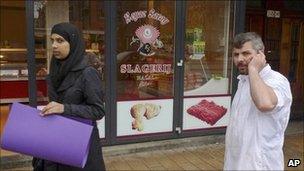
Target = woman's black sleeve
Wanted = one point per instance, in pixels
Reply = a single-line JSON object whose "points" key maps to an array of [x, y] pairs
{"points": [[93, 108]]}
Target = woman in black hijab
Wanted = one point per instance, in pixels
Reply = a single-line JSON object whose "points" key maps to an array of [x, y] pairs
{"points": [[74, 89]]}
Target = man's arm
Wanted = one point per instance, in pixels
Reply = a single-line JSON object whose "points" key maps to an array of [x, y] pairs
{"points": [[262, 95]]}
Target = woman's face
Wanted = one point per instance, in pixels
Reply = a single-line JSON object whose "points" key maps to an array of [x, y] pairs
{"points": [[60, 47]]}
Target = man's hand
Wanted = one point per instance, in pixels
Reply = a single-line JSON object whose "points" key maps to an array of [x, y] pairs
{"points": [[257, 62], [52, 108]]}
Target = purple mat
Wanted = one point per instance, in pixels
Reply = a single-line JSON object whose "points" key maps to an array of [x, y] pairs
{"points": [[53, 137]]}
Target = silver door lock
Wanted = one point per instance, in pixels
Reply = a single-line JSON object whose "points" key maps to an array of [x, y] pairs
{"points": [[178, 130], [180, 63]]}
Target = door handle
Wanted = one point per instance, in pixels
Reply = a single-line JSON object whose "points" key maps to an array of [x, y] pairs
{"points": [[180, 63]]}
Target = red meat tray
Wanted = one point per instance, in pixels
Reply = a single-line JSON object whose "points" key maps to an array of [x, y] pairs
{"points": [[207, 111]]}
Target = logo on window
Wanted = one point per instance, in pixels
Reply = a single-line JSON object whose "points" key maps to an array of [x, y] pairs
{"points": [[146, 37]]}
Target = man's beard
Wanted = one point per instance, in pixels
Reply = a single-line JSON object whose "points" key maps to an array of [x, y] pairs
{"points": [[243, 72], [243, 69]]}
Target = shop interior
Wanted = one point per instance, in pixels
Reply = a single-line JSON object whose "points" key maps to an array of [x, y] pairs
{"points": [[87, 15]]}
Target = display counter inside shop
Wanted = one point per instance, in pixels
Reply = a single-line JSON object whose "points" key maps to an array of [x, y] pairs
{"points": [[14, 75], [15, 89]]}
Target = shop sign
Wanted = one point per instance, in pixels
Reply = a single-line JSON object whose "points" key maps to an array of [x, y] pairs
{"points": [[145, 68], [273, 14], [146, 73], [134, 16], [146, 36], [152, 72]]}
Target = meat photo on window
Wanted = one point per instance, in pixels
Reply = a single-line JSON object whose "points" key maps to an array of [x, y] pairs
{"points": [[207, 111]]}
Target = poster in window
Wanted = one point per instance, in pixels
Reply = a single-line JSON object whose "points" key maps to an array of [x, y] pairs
{"points": [[144, 117], [206, 112]]}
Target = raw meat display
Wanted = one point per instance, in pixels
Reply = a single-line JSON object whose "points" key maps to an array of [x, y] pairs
{"points": [[207, 111]]}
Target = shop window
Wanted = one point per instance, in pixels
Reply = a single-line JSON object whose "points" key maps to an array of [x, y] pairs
{"points": [[13, 62], [206, 51], [207, 73], [80, 13], [13, 38], [145, 58], [13, 52], [87, 17], [145, 35]]}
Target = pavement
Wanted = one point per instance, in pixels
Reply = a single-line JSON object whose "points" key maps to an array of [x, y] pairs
{"points": [[195, 153]]}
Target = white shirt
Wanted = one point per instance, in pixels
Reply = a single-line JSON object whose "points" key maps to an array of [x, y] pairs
{"points": [[254, 139]]}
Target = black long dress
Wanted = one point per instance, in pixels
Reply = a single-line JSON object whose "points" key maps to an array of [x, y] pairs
{"points": [[78, 87]]}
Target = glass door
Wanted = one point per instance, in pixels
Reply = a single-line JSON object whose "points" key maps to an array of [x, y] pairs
{"points": [[207, 70], [145, 67]]}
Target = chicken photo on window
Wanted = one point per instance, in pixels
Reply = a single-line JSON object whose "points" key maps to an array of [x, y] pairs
{"points": [[143, 111]]}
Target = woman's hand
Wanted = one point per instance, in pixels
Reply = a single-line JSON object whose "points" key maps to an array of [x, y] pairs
{"points": [[52, 108]]}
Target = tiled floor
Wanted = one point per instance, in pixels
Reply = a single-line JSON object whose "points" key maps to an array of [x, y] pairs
{"points": [[206, 157]]}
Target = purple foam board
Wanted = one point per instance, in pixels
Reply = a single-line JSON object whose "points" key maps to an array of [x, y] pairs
{"points": [[86, 121], [53, 137]]}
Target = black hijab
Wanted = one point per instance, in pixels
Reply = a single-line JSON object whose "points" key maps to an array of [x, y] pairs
{"points": [[70, 66]]}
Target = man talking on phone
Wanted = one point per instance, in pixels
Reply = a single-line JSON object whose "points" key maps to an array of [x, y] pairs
{"points": [[260, 110]]}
